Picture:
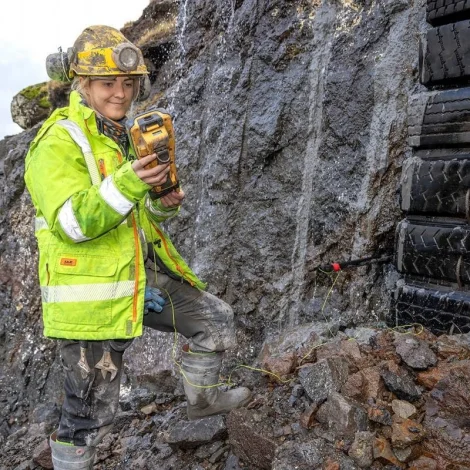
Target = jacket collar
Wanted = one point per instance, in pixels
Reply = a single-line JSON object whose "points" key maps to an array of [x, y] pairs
{"points": [[78, 112]]}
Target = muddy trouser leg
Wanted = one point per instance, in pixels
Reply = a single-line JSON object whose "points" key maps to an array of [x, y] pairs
{"points": [[90, 403], [204, 319], [207, 322]]}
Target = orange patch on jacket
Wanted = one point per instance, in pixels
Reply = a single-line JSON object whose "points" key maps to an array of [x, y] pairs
{"points": [[68, 261]]}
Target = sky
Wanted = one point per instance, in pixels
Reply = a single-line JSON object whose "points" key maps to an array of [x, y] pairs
{"points": [[32, 29]]}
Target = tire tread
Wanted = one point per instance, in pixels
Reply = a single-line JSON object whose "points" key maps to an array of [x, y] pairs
{"points": [[438, 12], [437, 309]]}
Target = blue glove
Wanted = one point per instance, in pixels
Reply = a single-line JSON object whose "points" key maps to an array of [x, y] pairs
{"points": [[153, 300]]}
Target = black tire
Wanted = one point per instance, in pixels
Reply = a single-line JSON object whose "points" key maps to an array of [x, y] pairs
{"points": [[446, 59], [436, 308], [440, 187], [434, 249], [444, 122], [446, 11]]}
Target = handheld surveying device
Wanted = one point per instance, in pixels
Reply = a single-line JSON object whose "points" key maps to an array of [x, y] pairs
{"points": [[152, 132]]}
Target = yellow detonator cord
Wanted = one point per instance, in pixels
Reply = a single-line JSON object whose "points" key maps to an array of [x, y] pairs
{"points": [[281, 380]]}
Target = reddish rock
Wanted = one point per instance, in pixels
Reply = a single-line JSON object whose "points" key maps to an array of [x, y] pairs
{"points": [[379, 414], [347, 349], [42, 455], [372, 356], [425, 335], [342, 416], [353, 388], [454, 346], [431, 377], [383, 453], [364, 385], [331, 464], [307, 418], [407, 433], [385, 339], [385, 350], [423, 463], [450, 397], [248, 437], [281, 365], [374, 384], [446, 443]]}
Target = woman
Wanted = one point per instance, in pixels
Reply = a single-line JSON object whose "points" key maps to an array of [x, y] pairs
{"points": [[105, 266]]}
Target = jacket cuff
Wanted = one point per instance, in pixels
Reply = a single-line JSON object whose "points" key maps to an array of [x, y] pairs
{"points": [[129, 184], [157, 209]]}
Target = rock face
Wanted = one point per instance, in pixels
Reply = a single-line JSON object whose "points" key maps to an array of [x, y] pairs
{"points": [[291, 131], [296, 129], [290, 120]]}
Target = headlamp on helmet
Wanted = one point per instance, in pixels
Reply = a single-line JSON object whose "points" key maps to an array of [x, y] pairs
{"points": [[126, 57]]}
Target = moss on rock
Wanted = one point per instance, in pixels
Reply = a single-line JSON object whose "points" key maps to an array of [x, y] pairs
{"points": [[38, 93]]}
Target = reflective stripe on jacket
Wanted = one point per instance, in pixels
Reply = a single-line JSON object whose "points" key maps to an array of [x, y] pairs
{"points": [[90, 208]]}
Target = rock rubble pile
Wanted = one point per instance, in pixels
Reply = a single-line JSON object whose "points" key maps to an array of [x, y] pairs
{"points": [[362, 398]]}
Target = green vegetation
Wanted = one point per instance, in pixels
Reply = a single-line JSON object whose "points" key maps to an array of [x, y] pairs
{"points": [[39, 93]]}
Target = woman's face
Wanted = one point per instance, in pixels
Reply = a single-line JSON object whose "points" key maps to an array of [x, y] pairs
{"points": [[110, 96]]}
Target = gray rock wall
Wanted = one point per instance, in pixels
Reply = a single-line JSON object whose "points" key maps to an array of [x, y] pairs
{"points": [[291, 121], [291, 129]]}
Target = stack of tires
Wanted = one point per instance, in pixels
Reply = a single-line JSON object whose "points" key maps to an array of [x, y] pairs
{"points": [[432, 249]]}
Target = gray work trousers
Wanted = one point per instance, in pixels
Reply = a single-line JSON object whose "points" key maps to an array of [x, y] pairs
{"points": [[90, 403]]}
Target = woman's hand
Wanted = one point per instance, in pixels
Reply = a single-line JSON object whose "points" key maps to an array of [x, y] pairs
{"points": [[155, 176], [173, 199]]}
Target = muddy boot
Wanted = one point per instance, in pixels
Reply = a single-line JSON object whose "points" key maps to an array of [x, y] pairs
{"points": [[202, 370], [70, 457]]}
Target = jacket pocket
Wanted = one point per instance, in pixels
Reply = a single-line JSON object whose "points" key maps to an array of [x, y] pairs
{"points": [[86, 265], [82, 289]]}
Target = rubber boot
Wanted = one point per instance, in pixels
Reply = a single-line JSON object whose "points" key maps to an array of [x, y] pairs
{"points": [[69, 457], [202, 370]]}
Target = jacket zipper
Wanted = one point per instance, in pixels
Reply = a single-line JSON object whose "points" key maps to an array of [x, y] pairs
{"points": [[178, 267]]}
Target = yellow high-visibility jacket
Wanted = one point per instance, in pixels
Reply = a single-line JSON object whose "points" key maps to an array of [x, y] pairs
{"points": [[91, 209]]}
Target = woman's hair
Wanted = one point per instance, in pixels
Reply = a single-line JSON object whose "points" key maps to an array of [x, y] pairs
{"points": [[80, 85]]}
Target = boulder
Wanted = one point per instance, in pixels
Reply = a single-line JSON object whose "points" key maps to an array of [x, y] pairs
{"points": [[189, 434], [31, 105], [249, 437], [324, 377]]}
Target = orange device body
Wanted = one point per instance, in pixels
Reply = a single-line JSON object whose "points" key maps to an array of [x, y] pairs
{"points": [[152, 132]]}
